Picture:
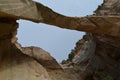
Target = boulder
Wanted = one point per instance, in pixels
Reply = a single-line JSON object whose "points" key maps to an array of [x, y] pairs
{"points": [[42, 56]]}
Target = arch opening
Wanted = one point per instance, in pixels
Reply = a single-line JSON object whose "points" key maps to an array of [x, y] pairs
{"points": [[58, 42]]}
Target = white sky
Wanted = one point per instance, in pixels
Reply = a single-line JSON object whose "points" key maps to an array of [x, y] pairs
{"points": [[58, 42]]}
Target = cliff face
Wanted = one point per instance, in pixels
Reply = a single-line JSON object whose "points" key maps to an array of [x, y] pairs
{"points": [[95, 57], [109, 7]]}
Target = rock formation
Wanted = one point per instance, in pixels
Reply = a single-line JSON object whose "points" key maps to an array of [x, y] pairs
{"points": [[96, 56], [30, 63], [100, 63]]}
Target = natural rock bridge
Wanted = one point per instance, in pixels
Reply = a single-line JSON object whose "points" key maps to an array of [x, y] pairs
{"points": [[96, 56]]}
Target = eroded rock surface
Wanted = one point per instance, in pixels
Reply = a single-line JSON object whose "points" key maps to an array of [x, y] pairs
{"points": [[42, 57], [14, 65], [98, 63], [95, 57], [30, 63], [103, 63]]}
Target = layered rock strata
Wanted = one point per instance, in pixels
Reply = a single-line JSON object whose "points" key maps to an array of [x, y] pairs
{"points": [[96, 58], [101, 61]]}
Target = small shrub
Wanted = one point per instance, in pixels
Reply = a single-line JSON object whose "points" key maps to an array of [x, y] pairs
{"points": [[70, 57]]}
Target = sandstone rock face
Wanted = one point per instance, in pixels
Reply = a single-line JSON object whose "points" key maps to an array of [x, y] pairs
{"points": [[86, 52], [95, 57], [21, 67], [109, 7], [14, 65], [42, 57], [30, 63], [98, 63], [14, 9], [103, 62]]}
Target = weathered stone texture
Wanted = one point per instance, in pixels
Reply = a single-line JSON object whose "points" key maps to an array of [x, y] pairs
{"points": [[30, 63], [96, 56], [104, 62], [109, 7], [42, 57]]}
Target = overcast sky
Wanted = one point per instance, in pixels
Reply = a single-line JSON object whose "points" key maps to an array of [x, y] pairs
{"points": [[58, 42]]}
